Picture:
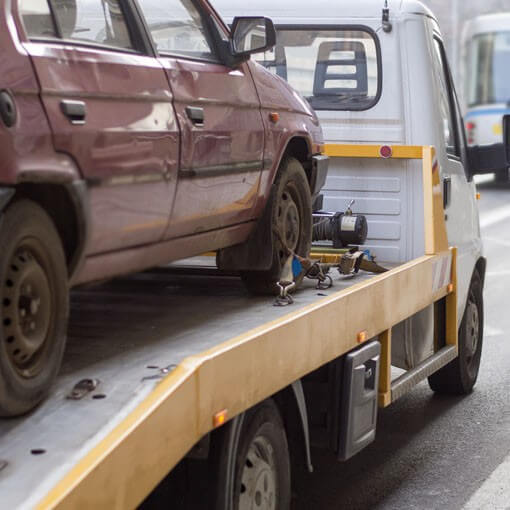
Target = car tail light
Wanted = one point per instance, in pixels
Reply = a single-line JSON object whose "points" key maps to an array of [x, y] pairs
{"points": [[471, 132]]}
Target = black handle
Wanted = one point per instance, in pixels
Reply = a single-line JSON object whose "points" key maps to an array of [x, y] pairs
{"points": [[196, 115], [75, 111], [447, 190]]}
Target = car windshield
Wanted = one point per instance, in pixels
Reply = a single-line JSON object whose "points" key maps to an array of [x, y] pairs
{"points": [[488, 70], [334, 69]]}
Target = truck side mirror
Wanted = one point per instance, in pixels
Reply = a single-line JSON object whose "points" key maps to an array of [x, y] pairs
{"points": [[251, 35]]}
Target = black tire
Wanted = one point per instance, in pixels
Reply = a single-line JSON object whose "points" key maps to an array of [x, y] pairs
{"points": [[291, 214], [253, 462], [460, 375], [502, 176], [34, 302]]}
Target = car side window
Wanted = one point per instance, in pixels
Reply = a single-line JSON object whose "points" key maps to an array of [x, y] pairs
{"points": [[177, 27], [445, 102], [94, 21], [37, 18]]}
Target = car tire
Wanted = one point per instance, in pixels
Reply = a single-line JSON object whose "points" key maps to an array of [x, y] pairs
{"points": [[254, 471], [290, 205], [460, 375], [34, 302]]}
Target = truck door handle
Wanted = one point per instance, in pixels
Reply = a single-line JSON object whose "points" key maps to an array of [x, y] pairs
{"points": [[196, 115], [75, 111], [447, 190]]}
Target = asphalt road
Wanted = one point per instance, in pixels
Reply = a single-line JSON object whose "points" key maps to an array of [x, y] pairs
{"points": [[436, 452]]}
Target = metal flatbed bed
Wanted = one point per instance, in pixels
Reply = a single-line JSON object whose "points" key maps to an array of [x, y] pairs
{"points": [[179, 354]]}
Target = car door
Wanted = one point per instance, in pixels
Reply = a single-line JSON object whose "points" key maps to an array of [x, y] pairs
{"points": [[219, 115], [110, 108], [458, 191]]}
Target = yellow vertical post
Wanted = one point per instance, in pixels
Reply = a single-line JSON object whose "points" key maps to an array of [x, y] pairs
{"points": [[385, 369], [452, 326]]}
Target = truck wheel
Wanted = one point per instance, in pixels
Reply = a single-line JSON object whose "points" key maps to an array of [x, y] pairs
{"points": [[502, 175], [290, 224], [459, 376], [34, 306], [253, 466]]}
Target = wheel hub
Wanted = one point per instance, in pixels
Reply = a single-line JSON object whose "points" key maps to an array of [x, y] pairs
{"points": [[289, 223], [26, 310], [472, 329], [258, 481]]}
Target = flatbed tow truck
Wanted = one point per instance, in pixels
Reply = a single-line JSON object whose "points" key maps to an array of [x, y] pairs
{"points": [[181, 356]]}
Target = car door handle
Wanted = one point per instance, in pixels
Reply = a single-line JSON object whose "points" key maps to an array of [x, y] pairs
{"points": [[447, 190], [75, 111], [196, 115]]}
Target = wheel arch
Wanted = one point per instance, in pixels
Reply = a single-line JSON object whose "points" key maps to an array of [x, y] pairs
{"points": [[481, 267], [299, 147], [67, 206]]}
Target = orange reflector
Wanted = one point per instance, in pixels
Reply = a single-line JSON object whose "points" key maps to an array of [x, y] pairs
{"points": [[478, 196], [220, 418], [274, 117], [362, 336], [450, 287]]}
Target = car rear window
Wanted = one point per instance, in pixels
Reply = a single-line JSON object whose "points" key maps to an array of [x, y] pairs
{"points": [[335, 69]]}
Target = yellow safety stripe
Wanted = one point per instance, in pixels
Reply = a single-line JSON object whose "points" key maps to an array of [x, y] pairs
{"points": [[372, 151]]}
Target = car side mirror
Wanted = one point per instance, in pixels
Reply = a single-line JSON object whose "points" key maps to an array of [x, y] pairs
{"points": [[251, 35]]}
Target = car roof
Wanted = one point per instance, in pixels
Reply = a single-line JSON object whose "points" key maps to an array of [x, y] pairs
{"points": [[303, 9]]}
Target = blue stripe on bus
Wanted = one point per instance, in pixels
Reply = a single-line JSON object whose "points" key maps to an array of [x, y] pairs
{"points": [[487, 111]]}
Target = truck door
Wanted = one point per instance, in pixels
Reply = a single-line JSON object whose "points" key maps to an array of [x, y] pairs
{"points": [[219, 115], [110, 108], [458, 192]]}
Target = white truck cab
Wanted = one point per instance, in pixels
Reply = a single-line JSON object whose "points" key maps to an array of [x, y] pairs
{"points": [[378, 74]]}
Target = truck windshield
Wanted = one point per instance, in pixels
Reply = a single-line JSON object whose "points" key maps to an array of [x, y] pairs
{"points": [[488, 70], [334, 69]]}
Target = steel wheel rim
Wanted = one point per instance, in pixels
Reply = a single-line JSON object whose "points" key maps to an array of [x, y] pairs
{"points": [[472, 334], [26, 311], [288, 221], [258, 489]]}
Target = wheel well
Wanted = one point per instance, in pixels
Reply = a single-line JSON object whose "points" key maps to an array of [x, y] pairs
{"points": [[298, 148], [58, 204], [481, 266]]}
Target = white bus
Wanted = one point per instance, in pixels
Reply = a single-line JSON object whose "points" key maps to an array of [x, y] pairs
{"points": [[486, 74]]}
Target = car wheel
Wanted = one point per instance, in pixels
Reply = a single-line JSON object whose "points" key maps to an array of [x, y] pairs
{"points": [[460, 375], [34, 306], [290, 223]]}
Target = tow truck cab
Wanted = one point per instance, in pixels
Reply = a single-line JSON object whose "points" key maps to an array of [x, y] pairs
{"points": [[381, 77]]}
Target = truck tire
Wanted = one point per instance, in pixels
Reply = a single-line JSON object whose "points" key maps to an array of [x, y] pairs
{"points": [[502, 175], [459, 376], [252, 466], [35, 305], [291, 217]]}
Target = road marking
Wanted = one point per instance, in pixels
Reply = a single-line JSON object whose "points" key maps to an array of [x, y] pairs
{"points": [[494, 494], [493, 217], [490, 331]]}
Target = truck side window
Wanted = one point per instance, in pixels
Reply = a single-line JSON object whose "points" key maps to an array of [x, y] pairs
{"points": [[96, 21], [177, 28], [445, 102], [37, 18]]}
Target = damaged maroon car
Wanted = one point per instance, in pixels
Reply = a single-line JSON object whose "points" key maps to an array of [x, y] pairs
{"points": [[132, 134]]}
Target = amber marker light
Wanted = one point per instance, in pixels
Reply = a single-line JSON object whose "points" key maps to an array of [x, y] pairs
{"points": [[478, 196], [450, 287], [274, 117], [362, 336], [220, 418]]}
